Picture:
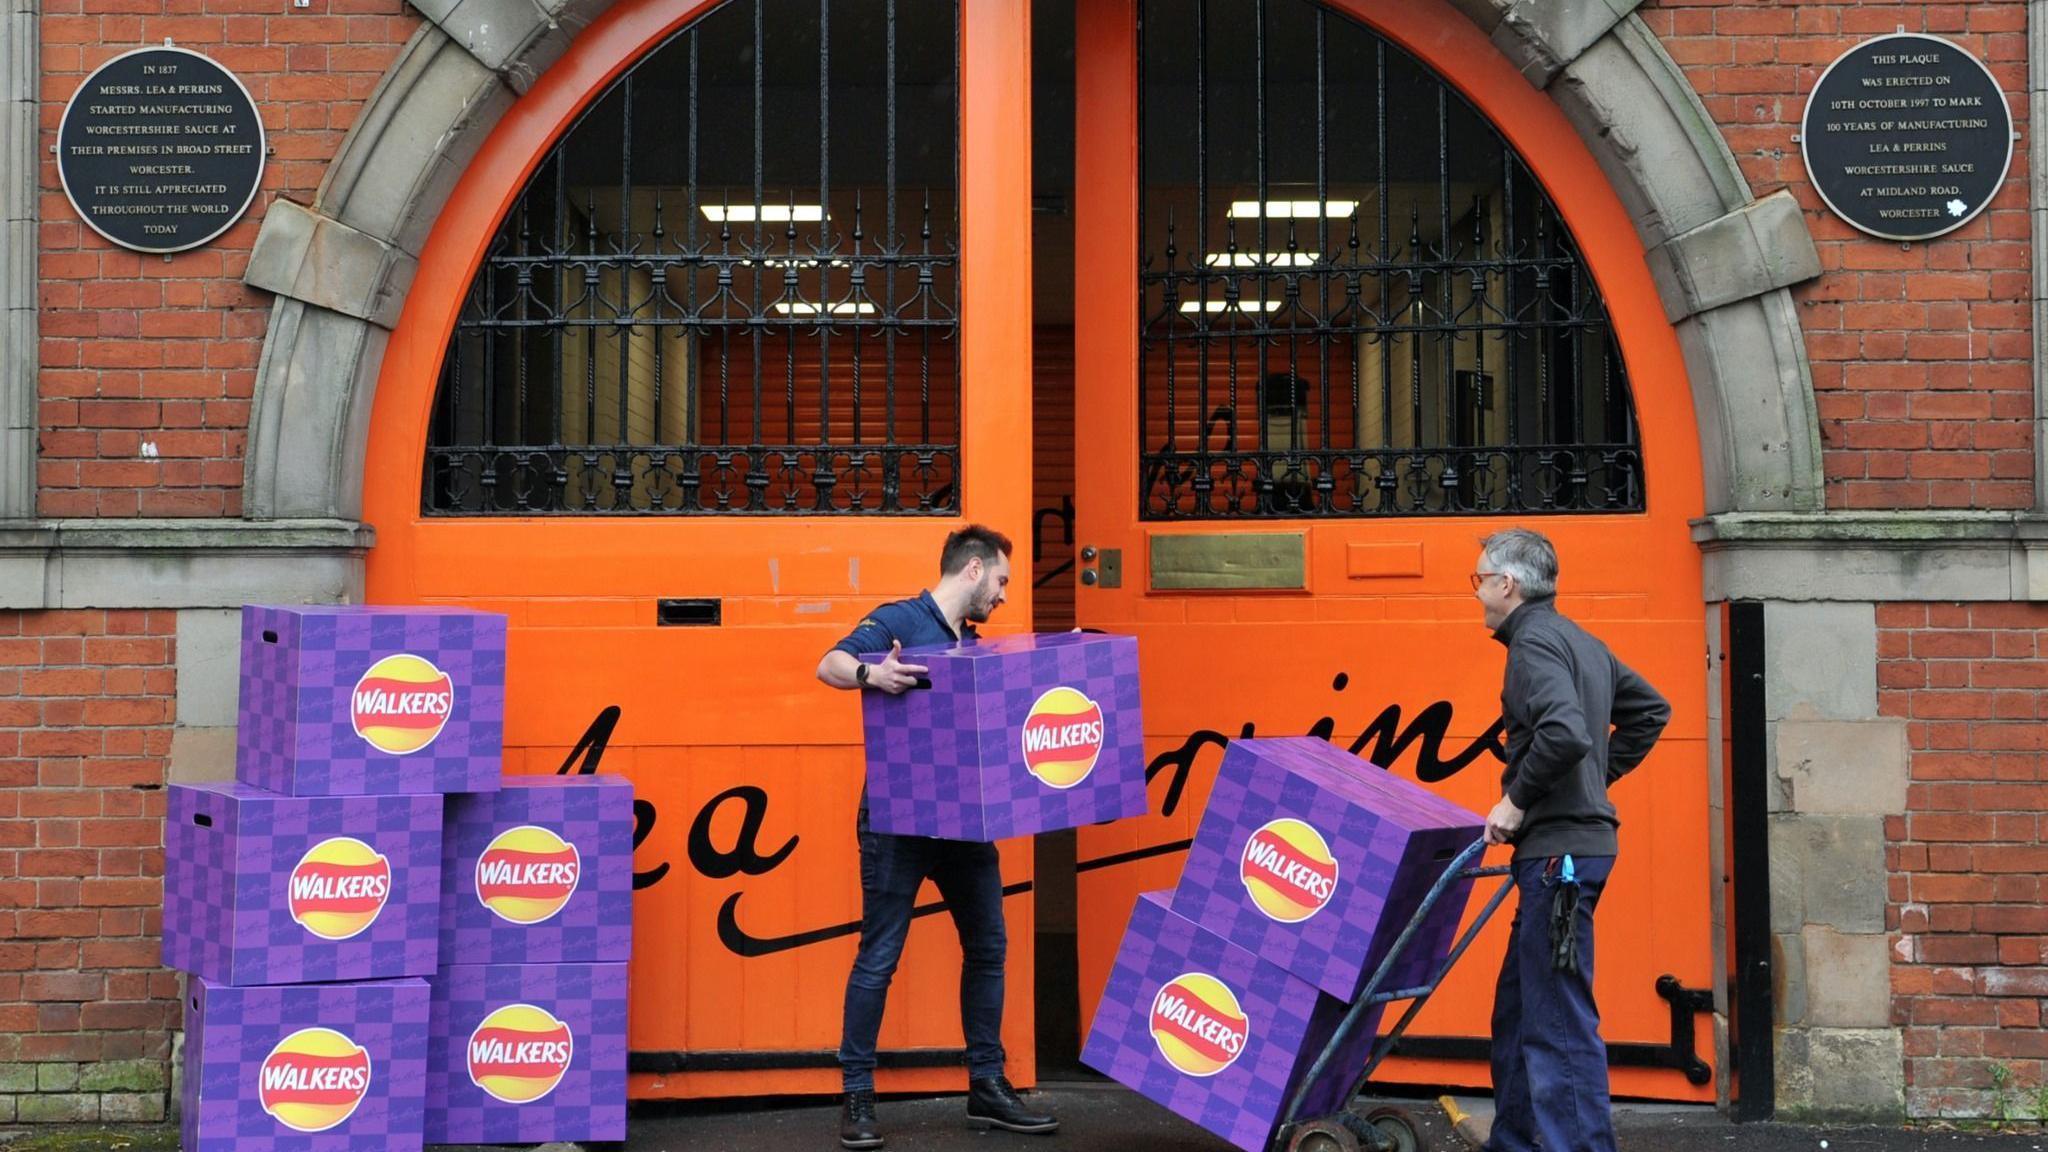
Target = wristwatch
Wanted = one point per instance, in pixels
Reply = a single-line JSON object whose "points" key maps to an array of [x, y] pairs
{"points": [[860, 674]]}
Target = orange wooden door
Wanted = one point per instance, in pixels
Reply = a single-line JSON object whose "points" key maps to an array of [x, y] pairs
{"points": [[1384, 647], [746, 770]]}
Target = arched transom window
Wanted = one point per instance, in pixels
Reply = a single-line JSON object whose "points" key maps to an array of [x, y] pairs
{"points": [[1356, 299], [732, 287]]}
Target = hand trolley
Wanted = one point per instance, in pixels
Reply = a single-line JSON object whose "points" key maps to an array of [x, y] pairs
{"points": [[1385, 1129]]}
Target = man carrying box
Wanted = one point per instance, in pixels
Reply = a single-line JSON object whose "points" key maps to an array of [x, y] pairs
{"points": [[974, 572], [1577, 721]]}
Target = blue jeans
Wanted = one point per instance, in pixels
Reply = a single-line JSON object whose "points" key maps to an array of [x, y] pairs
{"points": [[1549, 1063], [969, 879]]}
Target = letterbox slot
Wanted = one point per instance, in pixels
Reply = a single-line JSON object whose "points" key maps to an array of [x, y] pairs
{"points": [[703, 612]]}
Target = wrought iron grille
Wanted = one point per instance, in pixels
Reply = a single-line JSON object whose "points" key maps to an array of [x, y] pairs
{"points": [[1356, 299], [732, 287]]}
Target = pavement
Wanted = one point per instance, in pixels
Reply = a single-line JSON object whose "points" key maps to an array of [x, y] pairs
{"points": [[1101, 1117], [1106, 1118]]}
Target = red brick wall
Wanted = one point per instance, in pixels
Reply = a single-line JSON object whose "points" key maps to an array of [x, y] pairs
{"points": [[1967, 858], [1920, 352], [86, 707], [142, 349]]}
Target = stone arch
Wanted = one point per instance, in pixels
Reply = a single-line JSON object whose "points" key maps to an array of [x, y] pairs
{"points": [[1723, 260]]}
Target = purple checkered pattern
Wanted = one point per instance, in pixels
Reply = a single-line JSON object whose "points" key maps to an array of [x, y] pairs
{"points": [[1391, 839], [229, 1032], [297, 734], [1244, 1101], [227, 908], [949, 761], [1332, 1092], [590, 1101], [1438, 830], [595, 813]]}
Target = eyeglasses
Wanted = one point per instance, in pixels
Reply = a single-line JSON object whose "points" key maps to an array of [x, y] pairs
{"points": [[1479, 578]]}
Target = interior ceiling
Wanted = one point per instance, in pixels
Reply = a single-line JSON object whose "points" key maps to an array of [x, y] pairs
{"points": [[1053, 123]]}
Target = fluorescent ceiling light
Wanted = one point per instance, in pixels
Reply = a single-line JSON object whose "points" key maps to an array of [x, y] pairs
{"points": [[769, 213], [1292, 209], [806, 308], [1257, 259], [1229, 306]]}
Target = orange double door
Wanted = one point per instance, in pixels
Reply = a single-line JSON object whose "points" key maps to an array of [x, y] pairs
{"points": [[747, 770]]}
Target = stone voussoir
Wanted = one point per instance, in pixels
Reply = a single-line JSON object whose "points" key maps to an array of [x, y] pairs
{"points": [[307, 256], [1759, 247]]}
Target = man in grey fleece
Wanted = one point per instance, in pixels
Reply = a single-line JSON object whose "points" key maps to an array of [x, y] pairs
{"points": [[1577, 721]]}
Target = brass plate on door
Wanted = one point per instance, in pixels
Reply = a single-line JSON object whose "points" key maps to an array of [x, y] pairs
{"points": [[1240, 561]]}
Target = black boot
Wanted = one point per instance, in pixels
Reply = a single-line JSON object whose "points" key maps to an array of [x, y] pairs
{"points": [[991, 1101], [857, 1127]]}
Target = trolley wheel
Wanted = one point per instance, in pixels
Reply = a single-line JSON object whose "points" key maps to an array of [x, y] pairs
{"points": [[1395, 1130], [1325, 1135]]}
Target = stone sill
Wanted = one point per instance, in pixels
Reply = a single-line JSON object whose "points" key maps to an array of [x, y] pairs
{"points": [[194, 534], [169, 563], [1875, 556], [1873, 528]]}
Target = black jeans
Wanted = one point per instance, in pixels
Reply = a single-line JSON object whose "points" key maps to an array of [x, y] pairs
{"points": [[968, 877]]}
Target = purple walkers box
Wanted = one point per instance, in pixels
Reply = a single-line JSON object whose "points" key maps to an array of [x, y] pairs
{"points": [[527, 1053], [346, 701], [539, 872], [1215, 1033], [1016, 735], [305, 1067], [269, 889], [1316, 860]]}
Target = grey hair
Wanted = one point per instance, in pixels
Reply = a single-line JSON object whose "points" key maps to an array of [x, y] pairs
{"points": [[1525, 555]]}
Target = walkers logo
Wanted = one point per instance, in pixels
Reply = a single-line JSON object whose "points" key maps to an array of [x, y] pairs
{"points": [[338, 888], [527, 874], [401, 704], [313, 1079], [1288, 870], [1198, 1025], [519, 1053], [1062, 737]]}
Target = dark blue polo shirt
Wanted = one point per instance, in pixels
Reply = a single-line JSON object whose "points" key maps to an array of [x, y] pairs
{"points": [[911, 622]]}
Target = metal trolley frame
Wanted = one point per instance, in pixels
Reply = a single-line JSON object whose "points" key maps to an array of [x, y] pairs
{"points": [[1385, 1129]]}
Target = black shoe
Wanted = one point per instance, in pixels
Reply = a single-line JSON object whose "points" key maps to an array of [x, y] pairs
{"points": [[991, 1101], [857, 1127]]}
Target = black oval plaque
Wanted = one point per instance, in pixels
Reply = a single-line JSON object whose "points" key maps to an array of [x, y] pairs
{"points": [[1907, 136], [160, 150]]}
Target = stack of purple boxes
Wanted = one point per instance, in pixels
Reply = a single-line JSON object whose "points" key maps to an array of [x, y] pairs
{"points": [[528, 1037], [1308, 864], [308, 899]]}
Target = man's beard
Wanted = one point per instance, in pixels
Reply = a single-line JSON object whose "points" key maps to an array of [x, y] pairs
{"points": [[980, 607]]}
